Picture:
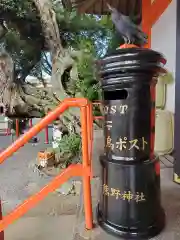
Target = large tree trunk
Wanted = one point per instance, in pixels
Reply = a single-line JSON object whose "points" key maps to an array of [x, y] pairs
{"points": [[24, 100], [21, 100], [62, 59]]}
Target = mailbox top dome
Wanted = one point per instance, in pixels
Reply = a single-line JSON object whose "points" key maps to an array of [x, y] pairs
{"points": [[129, 65], [134, 54], [130, 60]]}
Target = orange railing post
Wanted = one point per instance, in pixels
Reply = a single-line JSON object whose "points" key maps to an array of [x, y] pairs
{"points": [[8, 131], [30, 123], [17, 128], [1, 233], [47, 135], [83, 170], [86, 163]]}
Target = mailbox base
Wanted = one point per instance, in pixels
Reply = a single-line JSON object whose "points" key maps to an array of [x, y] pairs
{"points": [[122, 232], [130, 204]]}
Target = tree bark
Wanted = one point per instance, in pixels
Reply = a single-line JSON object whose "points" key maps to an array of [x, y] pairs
{"points": [[24, 100], [21, 100], [62, 59]]}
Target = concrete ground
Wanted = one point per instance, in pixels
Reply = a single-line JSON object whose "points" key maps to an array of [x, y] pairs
{"points": [[38, 228], [62, 217], [17, 176], [52, 218]]}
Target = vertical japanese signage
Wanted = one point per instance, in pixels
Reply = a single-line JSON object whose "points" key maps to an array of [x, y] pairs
{"points": [[119, 138]]}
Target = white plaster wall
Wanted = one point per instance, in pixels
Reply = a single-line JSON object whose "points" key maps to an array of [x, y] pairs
{"points": [[164, 40]]}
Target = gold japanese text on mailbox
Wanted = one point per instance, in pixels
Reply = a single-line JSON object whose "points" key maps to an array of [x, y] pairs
{"points": [[123, 143], [123, 195]]}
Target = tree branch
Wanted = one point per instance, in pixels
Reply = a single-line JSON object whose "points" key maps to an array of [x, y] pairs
{"points": [[62, 59], [67, 5], [49, 25]]}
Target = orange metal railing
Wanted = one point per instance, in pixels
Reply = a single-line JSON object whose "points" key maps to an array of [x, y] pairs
{"points": [[46, 129], [96, 103], [84, 170], [8, 131]]}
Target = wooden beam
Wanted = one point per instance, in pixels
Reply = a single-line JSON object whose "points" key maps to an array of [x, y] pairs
{"points": [[146, 26], [155, 11], [85, 6], [158, 8]]}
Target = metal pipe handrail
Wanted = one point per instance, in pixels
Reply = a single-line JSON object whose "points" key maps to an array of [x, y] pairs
{"points": [[84, 169]]}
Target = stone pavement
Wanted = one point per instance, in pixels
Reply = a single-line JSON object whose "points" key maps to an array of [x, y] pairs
{"points": [[41, 228], [17, 176], [54, 217], [57, 217]]}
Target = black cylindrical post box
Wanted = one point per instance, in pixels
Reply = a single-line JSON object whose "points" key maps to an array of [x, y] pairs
{"points": [[130, 203]]}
